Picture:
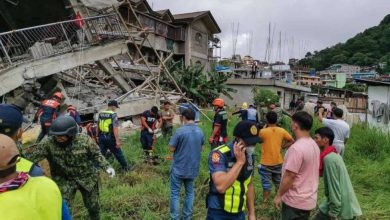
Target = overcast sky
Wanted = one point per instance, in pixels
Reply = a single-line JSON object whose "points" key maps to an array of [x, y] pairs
{"points": [[305, 25]]}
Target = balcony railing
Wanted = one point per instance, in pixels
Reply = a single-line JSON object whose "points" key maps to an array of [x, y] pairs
{"points": [[48, 40]]}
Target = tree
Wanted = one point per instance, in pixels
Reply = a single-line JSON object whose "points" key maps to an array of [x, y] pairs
{"points": [[264, 97], [198, 85], [355, 87]]}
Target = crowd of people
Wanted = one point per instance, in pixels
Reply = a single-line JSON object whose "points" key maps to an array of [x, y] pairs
{"points": [[75, 160]]}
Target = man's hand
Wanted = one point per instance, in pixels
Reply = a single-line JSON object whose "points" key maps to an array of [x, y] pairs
{"points": [[111, 172], [211, 139], [239, 153], [278, 202], [252, 217], [156, 130], [118, 144], [150, 130]]}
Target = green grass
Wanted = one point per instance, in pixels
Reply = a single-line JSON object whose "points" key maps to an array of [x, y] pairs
{"points": [[144, 193]]}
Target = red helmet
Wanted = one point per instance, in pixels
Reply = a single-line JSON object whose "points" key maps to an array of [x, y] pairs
{"points": [[219, 103], [58, 95]]}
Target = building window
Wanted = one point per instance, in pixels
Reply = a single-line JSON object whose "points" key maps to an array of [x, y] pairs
{"points": [[198, 38]]}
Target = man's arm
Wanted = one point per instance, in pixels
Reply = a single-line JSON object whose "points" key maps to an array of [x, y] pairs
{"points": [[223, 180], [216, 129], [251, 201], [288, 139], [285, 185], [36, 153], [321, 114], [144, 124]]}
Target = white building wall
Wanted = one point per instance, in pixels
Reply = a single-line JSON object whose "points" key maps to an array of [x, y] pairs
{"points": [[382, 94]]}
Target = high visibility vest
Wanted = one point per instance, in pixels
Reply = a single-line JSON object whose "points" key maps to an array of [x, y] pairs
{"points": [[105, 121], [39, 198], [235, 197], [24, 165]]}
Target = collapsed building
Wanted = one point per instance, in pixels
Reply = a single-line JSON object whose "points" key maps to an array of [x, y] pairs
{"points": [[95, 50]]}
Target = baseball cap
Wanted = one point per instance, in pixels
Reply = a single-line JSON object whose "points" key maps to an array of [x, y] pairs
{"points": [[247, 131], [113, 103], [11, 118], [8, 152]]}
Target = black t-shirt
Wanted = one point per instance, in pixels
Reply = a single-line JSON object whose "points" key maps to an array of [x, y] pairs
{"points": [[221, 118], [151, 119]]}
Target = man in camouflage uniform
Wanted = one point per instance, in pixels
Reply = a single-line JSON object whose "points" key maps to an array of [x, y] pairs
{"points": [[73, 159], [276, 109]]}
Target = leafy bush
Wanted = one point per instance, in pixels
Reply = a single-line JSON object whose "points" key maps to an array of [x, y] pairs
{"points": [[264, 97]]}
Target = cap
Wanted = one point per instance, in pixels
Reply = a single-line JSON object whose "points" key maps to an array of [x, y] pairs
{"points": [[8, 151], [247, 131], [113, 103], [10, 117]]}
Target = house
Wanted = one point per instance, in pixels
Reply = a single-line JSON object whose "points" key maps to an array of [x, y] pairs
{"points": [[378, 103], [364, 75], [189, 36], [286, 91], [338, 75]]}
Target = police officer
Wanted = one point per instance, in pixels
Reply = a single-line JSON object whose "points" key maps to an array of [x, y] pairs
{"points": [[73, 159], [47, 113], [151, 122], [108, 133], [231, 169], [219, 128]]}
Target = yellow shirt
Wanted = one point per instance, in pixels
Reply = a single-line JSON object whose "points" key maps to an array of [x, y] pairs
{"points": [[38, 199], [271, 147]]}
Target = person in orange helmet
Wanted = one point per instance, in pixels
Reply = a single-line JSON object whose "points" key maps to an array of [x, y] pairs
{"points": [[219, 130], [47, 113]]}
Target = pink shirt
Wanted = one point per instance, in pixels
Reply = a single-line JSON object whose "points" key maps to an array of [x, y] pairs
{"points": [[302, 158]]}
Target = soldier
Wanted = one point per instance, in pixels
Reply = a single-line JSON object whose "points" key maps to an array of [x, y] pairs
{"points": [[73, 159]]}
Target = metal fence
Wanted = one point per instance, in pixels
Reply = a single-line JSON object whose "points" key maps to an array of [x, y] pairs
{"points": [[57, 38]]}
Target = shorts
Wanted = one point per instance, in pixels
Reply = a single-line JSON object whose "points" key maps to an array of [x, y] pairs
{"points": [[268, 174], [147, 140]]}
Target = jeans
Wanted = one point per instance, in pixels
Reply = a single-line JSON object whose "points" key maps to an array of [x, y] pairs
{"points": [[219, 214], [107, 142], [176, 183]]}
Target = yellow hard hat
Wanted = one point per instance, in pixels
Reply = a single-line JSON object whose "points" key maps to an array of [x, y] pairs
{"points": [[8, 152], [244, 105]]}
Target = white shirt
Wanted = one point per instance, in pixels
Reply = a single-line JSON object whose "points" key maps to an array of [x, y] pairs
{"points": [[341, 132]]}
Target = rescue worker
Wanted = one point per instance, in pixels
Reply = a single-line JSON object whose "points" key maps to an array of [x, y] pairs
{"points": [[22, 196], [73, 159], [47, 113], [151, 122], [108, 134], [231, 168], [92, 131], [11, 119], [243, 112], [219, 127], [72, 112]]}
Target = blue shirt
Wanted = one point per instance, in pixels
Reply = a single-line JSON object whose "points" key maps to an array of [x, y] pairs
{"points": [[219, 162], [187, 141]]}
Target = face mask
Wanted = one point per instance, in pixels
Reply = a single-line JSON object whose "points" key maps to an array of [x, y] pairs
{"points": [[65, 144]]}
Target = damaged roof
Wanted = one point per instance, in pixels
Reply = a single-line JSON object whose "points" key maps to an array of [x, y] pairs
{"points": [[192, 16]]}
